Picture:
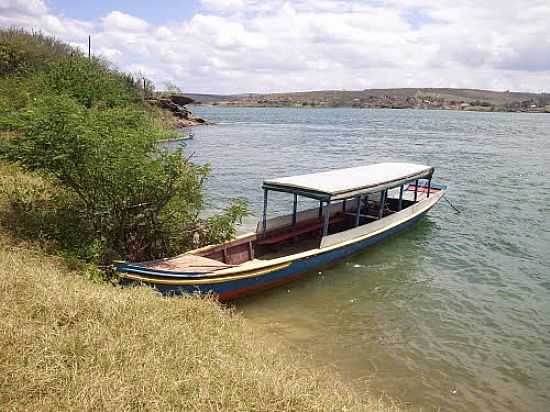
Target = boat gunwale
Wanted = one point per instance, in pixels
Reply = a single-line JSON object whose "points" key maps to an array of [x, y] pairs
{"points": [[257, 267]]}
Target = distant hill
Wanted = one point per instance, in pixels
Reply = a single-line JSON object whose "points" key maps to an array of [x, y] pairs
{"points": [[405, 98]]}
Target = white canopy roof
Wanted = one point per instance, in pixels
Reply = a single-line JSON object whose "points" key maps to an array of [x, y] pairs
{"points": [[343, 183]]}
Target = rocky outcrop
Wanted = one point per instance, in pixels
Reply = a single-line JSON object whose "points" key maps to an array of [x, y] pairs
{"points": [[181, 100], [175, 104]]}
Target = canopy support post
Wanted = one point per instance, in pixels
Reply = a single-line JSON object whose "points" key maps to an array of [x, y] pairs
{"points": [[400, 205], [382, 201], [429, 186], [358, 211], [416, 190], [327, 217], [344, 206], [320, 209], [264, 216], [295, 210]]}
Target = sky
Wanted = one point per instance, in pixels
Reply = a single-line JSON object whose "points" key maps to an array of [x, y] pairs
{"points": [[241, 46]]}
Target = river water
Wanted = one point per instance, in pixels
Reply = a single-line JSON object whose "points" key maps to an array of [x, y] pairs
{"points": [[453, 314]]}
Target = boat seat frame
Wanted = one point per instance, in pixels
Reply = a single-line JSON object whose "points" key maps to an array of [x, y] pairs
{"points": [[290, 232]]}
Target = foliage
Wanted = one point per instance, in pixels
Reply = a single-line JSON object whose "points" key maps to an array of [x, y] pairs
{"points": [[221, 227], [171, 87], [21, 51], [480, 103], [106, 189], [91, 83]]}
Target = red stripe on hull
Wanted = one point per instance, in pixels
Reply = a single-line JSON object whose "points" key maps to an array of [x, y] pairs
{"points": [[246, 291]]}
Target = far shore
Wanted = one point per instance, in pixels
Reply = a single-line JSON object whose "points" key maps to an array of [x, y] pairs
{"points": [[469, 100], [470, 109]]}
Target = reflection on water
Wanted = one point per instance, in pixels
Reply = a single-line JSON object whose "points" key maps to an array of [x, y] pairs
{"points": [[454, 313]]}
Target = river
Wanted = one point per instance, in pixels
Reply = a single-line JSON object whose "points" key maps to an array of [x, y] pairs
{"points": [[453, 314]]}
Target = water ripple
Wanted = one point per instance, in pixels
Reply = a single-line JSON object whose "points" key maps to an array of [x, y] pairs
{"points": [[452, 314]]}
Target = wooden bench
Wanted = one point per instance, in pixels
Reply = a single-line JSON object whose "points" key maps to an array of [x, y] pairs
{"points": [[289, 232]]}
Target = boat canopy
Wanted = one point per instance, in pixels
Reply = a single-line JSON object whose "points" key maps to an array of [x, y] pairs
{"points": [[345, 183]]}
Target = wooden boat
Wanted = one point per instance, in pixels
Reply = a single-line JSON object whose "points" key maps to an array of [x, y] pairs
{"points": [[357, 207]]}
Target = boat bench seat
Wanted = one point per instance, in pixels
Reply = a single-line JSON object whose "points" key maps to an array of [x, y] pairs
{"points": [[290, 232]]}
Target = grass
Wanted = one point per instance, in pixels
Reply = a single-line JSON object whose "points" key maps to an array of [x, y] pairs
{"points": [[70, 344]]}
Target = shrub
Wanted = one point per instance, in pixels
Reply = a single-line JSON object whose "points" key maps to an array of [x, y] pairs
{"points": [[106, 189], [21, 51], [119, 194], [90, 83]]}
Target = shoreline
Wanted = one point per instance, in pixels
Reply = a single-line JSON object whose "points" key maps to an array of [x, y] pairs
{"points": [[54, 310], [310, 107], [397, 98]]}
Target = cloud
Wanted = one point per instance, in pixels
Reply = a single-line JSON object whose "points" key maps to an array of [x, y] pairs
{"points": [[22, 7], [277, 45], [118, 21], [33, 15], [224, 4]]}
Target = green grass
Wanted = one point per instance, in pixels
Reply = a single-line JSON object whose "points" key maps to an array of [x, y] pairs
{"points": [[70, 344]]}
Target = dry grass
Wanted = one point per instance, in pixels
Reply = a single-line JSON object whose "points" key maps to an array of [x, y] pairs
{"points": [[70, 344]]}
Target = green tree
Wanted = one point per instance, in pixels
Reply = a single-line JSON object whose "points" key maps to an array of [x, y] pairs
{"points": [[107, 189]]}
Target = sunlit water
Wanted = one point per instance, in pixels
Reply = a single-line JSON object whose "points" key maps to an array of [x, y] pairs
{"points": [[451, 314]]}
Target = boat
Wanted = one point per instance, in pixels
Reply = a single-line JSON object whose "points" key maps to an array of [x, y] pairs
{"points": [[357, 207]]}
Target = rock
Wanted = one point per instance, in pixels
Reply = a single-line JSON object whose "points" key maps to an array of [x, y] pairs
{"points": [[175, 104], [181, 100]]}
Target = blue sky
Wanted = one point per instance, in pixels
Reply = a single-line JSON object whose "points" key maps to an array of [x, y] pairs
{"points": [[166, 11], [240, 46], [154, 11]]}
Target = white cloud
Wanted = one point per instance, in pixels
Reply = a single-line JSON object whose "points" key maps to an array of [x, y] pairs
{"points": [[22, 7], [224, 4], [279, 45], [118, 21]]}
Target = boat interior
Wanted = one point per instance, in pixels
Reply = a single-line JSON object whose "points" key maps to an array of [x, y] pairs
{"points": [[304, 230], [347, 203]]}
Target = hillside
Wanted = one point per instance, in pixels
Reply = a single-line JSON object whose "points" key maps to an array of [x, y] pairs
{"points": [[406, 98]]}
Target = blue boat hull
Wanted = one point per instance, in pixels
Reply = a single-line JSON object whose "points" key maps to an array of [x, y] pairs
{"points": [[234, 288]]}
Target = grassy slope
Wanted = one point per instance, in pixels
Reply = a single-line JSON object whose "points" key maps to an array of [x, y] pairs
{"points": [[69, 344]]}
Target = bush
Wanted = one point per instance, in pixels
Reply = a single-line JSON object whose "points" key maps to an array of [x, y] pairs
{"points": [[119, 193], [112, 191], [21, 51], [90, 83]]}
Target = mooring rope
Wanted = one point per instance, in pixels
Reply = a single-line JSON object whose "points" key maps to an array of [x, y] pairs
{"points": [[453, 206]]}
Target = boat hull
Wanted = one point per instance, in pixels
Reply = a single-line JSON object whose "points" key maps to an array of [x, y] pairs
{"points": [[231, 287]]}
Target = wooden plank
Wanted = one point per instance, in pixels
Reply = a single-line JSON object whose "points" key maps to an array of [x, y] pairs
{"points": [[188, 263]]}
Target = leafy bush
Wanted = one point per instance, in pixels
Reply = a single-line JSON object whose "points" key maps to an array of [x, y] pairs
{"points": [[120, 195], [21, 51], [106, 188], [91, 83]]}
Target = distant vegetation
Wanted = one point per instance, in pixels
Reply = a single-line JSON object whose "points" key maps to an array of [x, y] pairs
{"points": [[89, 176], [412, 98]]}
